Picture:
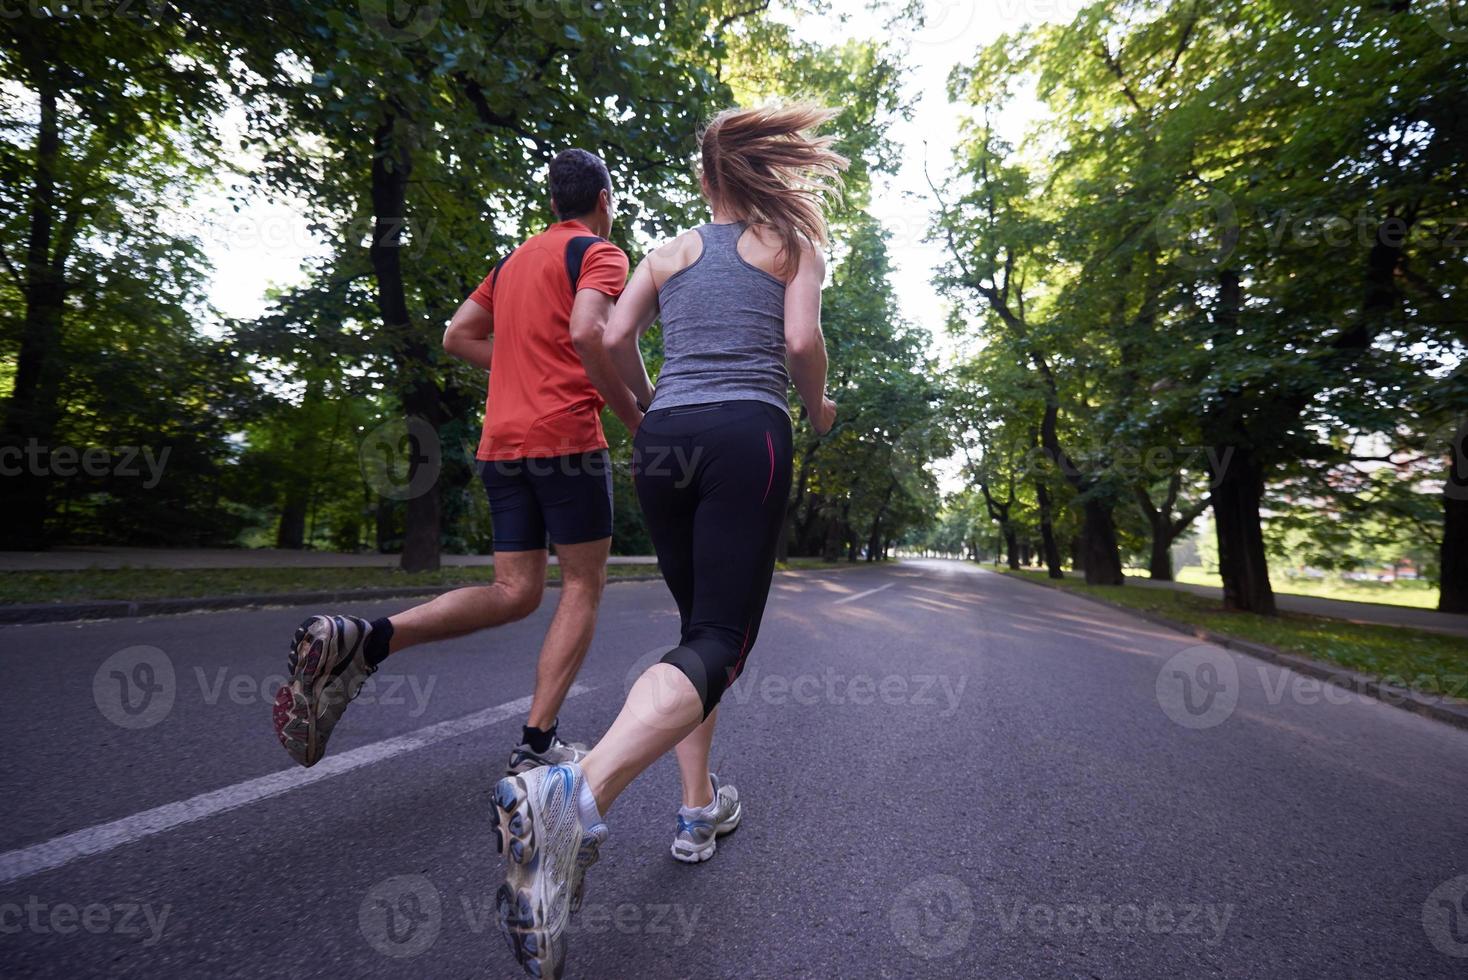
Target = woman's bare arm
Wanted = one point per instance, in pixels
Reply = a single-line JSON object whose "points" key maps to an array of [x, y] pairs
{"points": [[633, 314], [805, 345]]}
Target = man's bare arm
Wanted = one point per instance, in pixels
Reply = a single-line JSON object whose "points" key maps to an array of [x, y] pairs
{"points": [[470, 335]]}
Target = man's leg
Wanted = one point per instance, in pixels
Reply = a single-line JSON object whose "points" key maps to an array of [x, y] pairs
{"points": [[573, 496], [519, 582], [331, 655], [583, 576]]}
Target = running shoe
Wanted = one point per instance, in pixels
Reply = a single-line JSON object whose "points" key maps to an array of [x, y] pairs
{"points": [[699, 828], [586, 856], [537, 821], [327, 669], [523, 758]]}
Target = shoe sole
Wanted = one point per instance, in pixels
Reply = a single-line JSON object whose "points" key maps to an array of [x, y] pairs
{"points": [[702, 854], [296, 703], [521, 917]]}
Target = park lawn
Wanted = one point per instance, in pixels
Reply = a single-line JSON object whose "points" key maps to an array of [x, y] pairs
{"points": [[1425, 662], [1418, 594], [193, 583]]}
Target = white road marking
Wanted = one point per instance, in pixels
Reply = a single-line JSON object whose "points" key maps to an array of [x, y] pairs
{"points": [[862, 595], [63, 850]]}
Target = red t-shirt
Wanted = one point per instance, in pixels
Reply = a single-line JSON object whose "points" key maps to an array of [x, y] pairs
{"points": [[541, 403]]}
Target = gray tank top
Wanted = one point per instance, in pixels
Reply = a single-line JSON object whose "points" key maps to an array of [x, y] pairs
{"points": [[723, 328]]}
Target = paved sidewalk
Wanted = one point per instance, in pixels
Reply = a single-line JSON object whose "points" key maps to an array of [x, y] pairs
{"points": [[74, 559]]}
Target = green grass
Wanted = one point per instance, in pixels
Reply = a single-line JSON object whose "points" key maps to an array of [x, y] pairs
{"points": [[1418, 594], [1423, 661], [191, 583], [804, 564], [167, 583]]}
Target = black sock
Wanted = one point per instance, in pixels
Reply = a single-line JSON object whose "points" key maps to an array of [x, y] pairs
{"points": [[538, 739], [376, 650]]}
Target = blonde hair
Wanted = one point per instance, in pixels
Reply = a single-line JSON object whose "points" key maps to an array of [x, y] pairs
{"points": [[765, 166]]}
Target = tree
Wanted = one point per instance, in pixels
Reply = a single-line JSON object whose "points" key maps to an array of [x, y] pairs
{"points": [[106, 132]]}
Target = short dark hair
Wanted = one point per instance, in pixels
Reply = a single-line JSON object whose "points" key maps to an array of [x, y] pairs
{"points": [[576, 178]]}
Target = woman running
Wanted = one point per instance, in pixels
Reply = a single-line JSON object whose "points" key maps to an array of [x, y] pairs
{"points": [[739, 298]]}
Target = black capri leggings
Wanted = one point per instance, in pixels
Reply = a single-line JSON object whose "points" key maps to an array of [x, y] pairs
{"points": [[713, 481]]}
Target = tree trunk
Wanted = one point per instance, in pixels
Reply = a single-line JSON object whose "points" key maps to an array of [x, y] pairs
{"points": [[382, 519], [1238, 486], [1160, 565], [1453, 595], [1048, 545], [836, 533], [874, 540], [34, 407], [291, 532], [1098, 539], [391, 167], [1011, 546]]}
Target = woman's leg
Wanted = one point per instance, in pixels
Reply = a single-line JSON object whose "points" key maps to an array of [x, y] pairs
{"points": [[742, 484], [693, 763], [660, 711]]}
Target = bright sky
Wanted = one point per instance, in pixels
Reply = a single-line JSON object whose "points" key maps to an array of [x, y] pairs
{"points": [[265, 244]]}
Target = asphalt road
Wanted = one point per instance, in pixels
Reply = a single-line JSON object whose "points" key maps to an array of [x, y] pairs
{"points": [[956, 775]]}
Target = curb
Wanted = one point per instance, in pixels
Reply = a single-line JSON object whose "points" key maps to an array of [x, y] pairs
{"points": [[1438, 708], [97, 609], [124, 609]]}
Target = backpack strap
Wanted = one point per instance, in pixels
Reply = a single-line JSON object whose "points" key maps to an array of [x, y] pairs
{"points": [[576, 250]]}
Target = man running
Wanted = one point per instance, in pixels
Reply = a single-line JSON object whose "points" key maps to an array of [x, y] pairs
{"points": [[543, 461]]}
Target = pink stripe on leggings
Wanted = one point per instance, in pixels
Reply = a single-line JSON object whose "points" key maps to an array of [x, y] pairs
{"points": [[770, 445]]}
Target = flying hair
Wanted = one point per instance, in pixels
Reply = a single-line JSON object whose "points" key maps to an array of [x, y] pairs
{"points": [[766, 165]]}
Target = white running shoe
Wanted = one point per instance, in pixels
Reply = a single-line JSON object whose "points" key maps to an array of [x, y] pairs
{"points": [[699, 829], [537, 819]]}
